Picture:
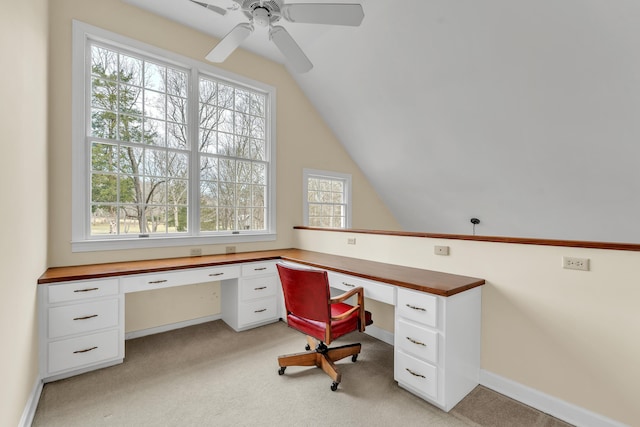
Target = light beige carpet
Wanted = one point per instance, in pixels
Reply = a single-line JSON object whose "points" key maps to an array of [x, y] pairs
{"points": [[209, 375]]}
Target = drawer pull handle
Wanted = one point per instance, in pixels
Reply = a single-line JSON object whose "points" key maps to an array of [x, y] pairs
{"points": [[260, 288], [215, 274], [259, 268], [416, 342], [260, 311], [85, 317], [153, 282], [414, 374], [348, 284], [86, 290], [416, 308], [85, 350]]}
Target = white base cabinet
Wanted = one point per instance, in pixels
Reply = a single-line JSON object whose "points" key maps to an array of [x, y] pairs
{"points": [[81, 327], [436, 339], [254, 299], [437, 345]]}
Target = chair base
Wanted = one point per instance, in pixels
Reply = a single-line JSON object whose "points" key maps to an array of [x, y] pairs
{"points": [[323, 357]]}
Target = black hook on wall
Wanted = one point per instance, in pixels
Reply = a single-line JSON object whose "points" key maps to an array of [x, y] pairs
{"points": [[475, 221]]}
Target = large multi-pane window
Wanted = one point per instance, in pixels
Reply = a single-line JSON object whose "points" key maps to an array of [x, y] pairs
{"points": [[170, 148], [233, 161], [327, 201]]}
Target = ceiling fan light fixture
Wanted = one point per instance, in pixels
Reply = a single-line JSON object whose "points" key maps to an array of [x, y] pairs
{"points": [[261, 16]]}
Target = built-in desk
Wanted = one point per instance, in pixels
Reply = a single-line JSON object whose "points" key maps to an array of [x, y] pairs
{"points": [[437, 315]]}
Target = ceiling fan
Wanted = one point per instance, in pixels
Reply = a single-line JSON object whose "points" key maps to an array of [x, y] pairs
{"points": [[265, 13]]}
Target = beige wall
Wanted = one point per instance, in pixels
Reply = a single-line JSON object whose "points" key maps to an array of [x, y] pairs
{"points": [[303, 141], [23, 191], [569, 334]]}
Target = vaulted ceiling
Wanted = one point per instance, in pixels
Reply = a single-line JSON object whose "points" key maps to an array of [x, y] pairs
{"points": [[523, 113]]}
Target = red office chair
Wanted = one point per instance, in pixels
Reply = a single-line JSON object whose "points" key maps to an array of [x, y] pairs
{"points": [[312, 311]]}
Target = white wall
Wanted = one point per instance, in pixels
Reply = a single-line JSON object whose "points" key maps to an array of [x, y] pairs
{"points": [[521, 113], [23, 191], [569, 334]]}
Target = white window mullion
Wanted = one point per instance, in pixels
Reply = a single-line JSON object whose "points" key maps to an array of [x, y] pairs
{"points": [[193, 135]]}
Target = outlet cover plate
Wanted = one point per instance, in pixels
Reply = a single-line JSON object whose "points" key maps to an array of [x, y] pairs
{"points": [[441, 250], [575, 263]]}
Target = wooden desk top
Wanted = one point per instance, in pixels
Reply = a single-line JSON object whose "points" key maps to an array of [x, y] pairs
{"points": [[433, 282]]}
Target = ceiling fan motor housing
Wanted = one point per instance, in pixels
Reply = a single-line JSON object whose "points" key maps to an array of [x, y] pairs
{"points": [[263, 12]]}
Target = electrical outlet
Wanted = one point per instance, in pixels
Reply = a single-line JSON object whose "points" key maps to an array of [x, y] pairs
{"points": [[575, 263], [230, 249], [351, 241], [441, 250], [196, 251]]}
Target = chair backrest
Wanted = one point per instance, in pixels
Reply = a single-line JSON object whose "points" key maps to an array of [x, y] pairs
{"points": [[306, 293]]}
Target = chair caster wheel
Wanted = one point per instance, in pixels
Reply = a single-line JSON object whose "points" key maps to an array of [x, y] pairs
{"points": [[307, 347], [334, 386], [281, 370], [354, 358]]}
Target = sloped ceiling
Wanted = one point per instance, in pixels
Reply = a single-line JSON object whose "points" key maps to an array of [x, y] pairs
{"points": [[522, 113]]}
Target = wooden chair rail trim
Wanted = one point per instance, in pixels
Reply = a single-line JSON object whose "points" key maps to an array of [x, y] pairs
{"points": [[497, 239]]}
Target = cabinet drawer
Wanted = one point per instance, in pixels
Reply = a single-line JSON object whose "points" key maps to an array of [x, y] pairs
{"points": [[257, 311], [74, 291], [418, 306], [78, 318], [417, 340], [145, 282], [257, 268], [374, 290], [258, 287], [81, 351], [420, 375]]}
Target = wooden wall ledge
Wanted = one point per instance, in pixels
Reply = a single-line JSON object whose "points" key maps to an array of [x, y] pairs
{"points": [[498, 239]]}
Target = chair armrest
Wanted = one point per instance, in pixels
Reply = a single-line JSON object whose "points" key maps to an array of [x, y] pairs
{"points": [[360, 307], [346, 295]]}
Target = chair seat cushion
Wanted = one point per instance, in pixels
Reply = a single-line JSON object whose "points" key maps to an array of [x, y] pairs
{"points": [[339, 328]]}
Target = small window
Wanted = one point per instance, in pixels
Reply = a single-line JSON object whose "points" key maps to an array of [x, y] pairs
{"points": [[327, 199]]}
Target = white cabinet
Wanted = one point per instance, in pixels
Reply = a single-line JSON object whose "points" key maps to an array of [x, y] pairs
{"points": [[254, 298], [437, 345], [81, 327]]}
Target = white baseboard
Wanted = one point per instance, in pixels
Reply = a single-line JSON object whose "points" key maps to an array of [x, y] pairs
{"points": [[170, 327], [380, 334], [553, 406], [32, 404]]}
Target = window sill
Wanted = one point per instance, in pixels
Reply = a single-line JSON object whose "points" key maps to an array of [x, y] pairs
{"points": [[164, 242]]}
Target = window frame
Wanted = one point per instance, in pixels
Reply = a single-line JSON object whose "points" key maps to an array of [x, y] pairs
{"points": [[81, 240], [313, 173]]}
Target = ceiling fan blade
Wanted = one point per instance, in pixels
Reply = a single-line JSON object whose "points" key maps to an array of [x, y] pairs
{"points": [[222, 11], [324, 13], [293, 54], [230, 42], [218, 6]]}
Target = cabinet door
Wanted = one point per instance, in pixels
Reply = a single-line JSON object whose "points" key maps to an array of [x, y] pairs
{"points": [[76, 291], [82, 351], [417, 340], [259, 287], [418, 306], [261, 310], [259, 268], [374, 290], [417, 374], [78, 318], [167, 279]]}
